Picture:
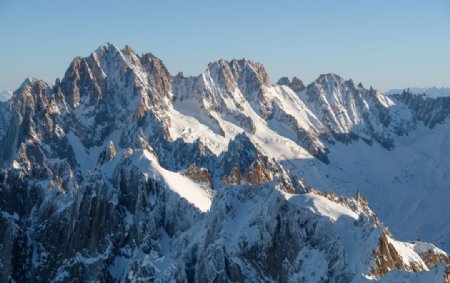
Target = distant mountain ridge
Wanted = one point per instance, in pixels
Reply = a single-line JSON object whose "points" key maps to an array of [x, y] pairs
{"points": [[430, 91], [123, 172]]}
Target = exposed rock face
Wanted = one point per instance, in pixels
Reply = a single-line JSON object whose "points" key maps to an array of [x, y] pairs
{"points": [[431, 258], [233, 178], [122, 173], [358, 196], [245, 163], [256, 174], [387, 258], [107, 154], [200, 176]]}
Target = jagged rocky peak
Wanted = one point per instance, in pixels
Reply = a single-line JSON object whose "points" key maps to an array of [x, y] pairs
{"points": [[30, 120], [130, 54], [109, 53], [110, 71], [224, 76], [338, 91], [34, 105], [283, 81], [158, 75], [113, 86], [243, 73], [108, 50], [225, 86], [83, 80], [33, 95], [349, 111], [325, 85], [295, 84], [333, 82], [329, 77], [96, 76], [327, 91]]}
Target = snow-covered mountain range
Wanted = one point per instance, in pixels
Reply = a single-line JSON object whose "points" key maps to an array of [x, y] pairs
{"points": [[122, 172]]}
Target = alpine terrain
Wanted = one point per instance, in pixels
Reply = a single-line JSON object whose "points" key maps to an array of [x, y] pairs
{"points": [[123, 172]]}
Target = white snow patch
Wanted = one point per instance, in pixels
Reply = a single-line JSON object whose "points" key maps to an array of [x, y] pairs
{"points": [[321, 205], [407, 253], [423, 247], [194, 193]]}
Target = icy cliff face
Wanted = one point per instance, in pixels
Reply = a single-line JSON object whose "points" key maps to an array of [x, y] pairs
{"points": [[122, 172]]}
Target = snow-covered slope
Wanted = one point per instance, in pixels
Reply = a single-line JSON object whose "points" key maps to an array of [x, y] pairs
{"points": [[5, 95], [407, 186], [140, 175], [196, 194]]}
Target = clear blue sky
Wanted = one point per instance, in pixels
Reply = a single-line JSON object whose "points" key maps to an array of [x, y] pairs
{"points": [[384, 43]]}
